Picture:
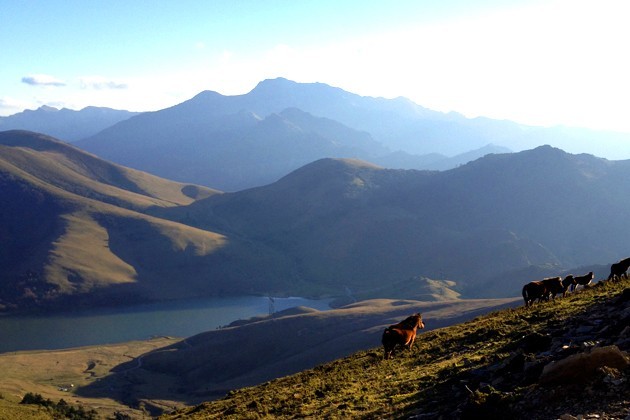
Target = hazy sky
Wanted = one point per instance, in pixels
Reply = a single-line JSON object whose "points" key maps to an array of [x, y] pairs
{"points": [[534, 62]]}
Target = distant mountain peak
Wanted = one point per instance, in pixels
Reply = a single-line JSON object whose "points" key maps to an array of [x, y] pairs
{"points": [[274, 83], [282, 86], [46, 108]]}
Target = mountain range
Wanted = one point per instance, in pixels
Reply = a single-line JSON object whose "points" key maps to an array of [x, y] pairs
{"points": [[64, 123], [242, 141], [79, 229], [353, 223]]}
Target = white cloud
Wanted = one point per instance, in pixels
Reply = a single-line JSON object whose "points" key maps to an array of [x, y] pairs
{"points": [[100, 83], [9, 106], [42, 80]]}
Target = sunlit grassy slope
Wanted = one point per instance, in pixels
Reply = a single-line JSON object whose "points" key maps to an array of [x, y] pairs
{"points": [[72, 224], [160, 374], [434, 379], [58, 164]]}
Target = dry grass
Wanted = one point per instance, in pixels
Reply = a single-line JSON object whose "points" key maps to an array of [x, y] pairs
{"points": [[157, 374], [50, 372], [83, 250], [65, 167], [95, 238], [365, 386]]}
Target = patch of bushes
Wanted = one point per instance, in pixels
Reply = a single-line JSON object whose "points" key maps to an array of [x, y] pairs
{"points": [[61, 409]]}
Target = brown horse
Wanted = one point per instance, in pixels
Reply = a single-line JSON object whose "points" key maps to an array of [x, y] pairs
{"points": [[546, 288], [401, 334], [534, 290], [619, 269]]}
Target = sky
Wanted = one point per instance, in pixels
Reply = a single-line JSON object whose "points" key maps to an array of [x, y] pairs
{"points": [[535, 62]]}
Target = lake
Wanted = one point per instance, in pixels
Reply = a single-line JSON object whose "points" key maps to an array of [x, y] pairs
{"points": [[140, 322]]}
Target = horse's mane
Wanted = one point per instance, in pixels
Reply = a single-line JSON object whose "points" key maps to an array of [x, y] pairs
{"points": [[411, 321]]}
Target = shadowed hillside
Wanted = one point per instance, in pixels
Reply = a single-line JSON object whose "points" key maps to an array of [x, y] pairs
{"points": [[498, 221]]}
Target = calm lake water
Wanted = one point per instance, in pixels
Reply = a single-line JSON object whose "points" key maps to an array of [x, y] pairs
{"points": [[103, 326]]}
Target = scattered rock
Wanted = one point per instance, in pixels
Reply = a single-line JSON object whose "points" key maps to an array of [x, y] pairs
{"points": [[582, 367], [536, 342]]}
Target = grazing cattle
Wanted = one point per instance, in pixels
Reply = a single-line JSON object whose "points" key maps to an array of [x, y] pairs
{"points": [[542, 289], [619, 269], [584, 280], [401, 334]]}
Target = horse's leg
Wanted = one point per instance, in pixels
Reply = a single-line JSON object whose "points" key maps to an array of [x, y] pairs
{"points": [[387, 352]]}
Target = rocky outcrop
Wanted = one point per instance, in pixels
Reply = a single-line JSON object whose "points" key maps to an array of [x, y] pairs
{"points": [[582, 367], [575, 369]]}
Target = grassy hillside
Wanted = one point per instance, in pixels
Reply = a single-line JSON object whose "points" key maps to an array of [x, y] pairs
{"points": [[61, 165], [491, 367], [50, 374], [12, 410], [163, 373], [71, 235], [209, 363]]}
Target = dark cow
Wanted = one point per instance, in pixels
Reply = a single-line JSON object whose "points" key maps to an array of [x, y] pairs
{"points": [[542, 289], [401, 334], [584, 280], [619, 269]]}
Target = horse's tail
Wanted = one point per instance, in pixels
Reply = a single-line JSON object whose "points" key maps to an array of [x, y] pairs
{"points": [[386, 335], [525, 294]]}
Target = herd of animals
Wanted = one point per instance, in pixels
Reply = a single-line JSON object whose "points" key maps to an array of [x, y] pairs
{"points": [[403, 334], [550, 287]]}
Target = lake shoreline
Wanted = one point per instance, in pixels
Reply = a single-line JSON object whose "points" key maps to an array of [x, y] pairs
{"points": [[116, 324]]}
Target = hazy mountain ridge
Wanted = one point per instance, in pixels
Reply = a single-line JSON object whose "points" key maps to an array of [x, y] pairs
{"points": [[64, 123], [227, 151], [241, 141]]}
